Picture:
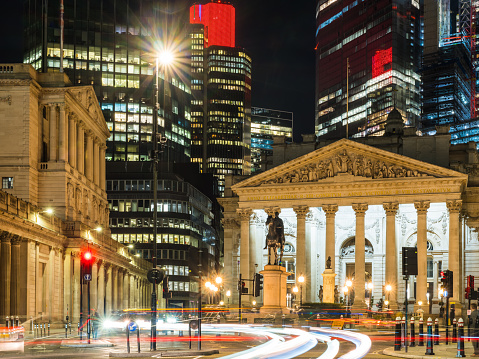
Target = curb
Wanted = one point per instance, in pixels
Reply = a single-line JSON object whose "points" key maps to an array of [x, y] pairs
{"points": [[78, 344], [173, 353], [392, 353]]}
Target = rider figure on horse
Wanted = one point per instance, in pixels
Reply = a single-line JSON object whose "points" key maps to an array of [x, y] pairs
{"points": [[274, 238]]}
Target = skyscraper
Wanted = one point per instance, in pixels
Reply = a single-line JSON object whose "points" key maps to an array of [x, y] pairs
{"points": [[221, 91], [368, 56], [112, 44], [266, 123]]}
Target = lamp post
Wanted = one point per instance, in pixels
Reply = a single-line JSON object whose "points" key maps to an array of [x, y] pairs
{"points": [[295, 291], [228, 295], [301, 281], [349, 284], [165, 58], [388, 290], [370, 292]]}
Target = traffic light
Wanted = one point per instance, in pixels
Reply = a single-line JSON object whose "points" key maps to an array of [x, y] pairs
{"points": [[86, 263], [166, 289], [258, 284], [468, 292], [450, 283], [470, 281], [244, 290]]}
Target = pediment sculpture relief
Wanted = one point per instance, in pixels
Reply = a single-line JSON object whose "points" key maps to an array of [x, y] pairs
{"points": [[343, 162]]}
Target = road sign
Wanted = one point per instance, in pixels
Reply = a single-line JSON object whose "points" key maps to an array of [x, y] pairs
{"points": [[132, 326], [87, 277], [155, 275]]}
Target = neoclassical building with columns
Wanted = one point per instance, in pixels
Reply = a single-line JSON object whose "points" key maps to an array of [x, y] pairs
{"points": [[359, 205], [53, 203]]}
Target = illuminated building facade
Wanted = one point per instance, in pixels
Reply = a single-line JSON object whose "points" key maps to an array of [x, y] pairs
{"points": [[221, 94], [109, 44], [265, 124], [383, 42], [186, 222], [447, 69]]}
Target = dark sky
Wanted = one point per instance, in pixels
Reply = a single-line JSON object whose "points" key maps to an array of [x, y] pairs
{"points": [[279, 35]]}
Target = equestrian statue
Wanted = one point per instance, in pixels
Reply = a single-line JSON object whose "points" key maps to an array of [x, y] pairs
{"points": [[275, 238]]}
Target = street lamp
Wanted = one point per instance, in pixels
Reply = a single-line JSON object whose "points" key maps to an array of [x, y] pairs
{"points": [[301, 281], [228, 294], [388, 290], [295, 291], [370, 291], [165, 58], [349, 284]]}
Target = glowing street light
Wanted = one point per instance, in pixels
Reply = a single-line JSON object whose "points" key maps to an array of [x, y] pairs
{"points": [[388, 290], [208, 284], [219, 280], [165, 57]]}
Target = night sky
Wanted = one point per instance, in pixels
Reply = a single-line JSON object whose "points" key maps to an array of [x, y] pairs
{"points": [[279, 35]]}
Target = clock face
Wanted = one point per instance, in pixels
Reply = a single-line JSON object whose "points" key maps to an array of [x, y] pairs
{"points": [[288, 247]]}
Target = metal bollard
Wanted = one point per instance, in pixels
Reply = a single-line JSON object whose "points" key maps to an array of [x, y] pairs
{"points": [[35, 331], [436, 332], [403, 331], [128, 339], [17, 319], [7, 321], [397, 336], [317, 319], [44, 330], [454, 331], [421, 333], [429, 341], [31, 324], [413, 334], [66, 330], [460, 339], [284, 319], [48, 329], [138, 337]]}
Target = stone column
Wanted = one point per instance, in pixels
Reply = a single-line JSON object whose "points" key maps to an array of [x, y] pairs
{"points": [[120, 290], [102, 167], [245, 270], [230, 226], [108, 294], [126, 290], [309, 288], [101, 288], [115, 287], [455, 257], [301, 212], [96, 163], [76, 288], [391, 209], [421, 279], [81, 149], [53, 133], [360, 256], [330, 211], [15, 279], [67, 285], [72, 141], [89, 156], [94, 287], [62, 136], [5, 272], [132, 291]]}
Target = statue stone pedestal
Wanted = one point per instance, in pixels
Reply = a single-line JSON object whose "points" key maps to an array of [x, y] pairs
{"points": [[328, 286], [274, 292]]}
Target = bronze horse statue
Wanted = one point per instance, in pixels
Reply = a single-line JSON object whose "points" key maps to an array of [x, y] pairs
{"points": [[275, 238]]}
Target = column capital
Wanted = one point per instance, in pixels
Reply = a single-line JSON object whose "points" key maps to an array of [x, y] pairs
{"points": [[360, 208], [391, 208], [330, 209], [454, 206], [229, 223], [422, 206], [272, 210], [301, 211], [76, 254], [244, 213], [5, 237]]}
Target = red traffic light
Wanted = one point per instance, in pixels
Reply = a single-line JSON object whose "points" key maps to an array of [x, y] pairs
{"points": [[87, 256]]}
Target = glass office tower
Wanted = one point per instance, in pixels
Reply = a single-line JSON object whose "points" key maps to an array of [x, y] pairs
{"points": [[266, 123], [221, 91], [382, 42], [111, 45]]}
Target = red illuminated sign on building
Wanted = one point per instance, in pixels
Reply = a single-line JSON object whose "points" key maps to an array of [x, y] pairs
{"points": [[218, 20], [382, 61]]}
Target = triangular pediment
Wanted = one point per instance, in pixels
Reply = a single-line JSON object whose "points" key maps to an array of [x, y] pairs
{"points": [[87, 99], [349, 161]]}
